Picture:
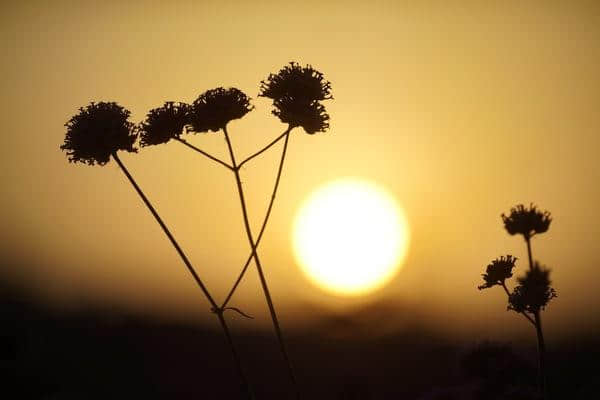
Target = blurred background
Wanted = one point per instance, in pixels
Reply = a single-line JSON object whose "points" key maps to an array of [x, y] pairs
{"points": [[460, 110]]}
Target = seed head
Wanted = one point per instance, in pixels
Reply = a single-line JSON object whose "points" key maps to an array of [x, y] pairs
{"points": [[99, 130], [164, 123], [498, 271], [302, 84], [526, 221], [213, 109], [534, 292]]}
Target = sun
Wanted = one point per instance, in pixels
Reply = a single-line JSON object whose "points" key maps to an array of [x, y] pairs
{"points": [[350, 237]]}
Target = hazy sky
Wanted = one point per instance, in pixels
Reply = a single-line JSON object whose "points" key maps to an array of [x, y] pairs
{"points": [[461, 111]]}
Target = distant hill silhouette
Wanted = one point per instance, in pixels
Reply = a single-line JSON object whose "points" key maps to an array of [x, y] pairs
{"points": [[100, 354]]}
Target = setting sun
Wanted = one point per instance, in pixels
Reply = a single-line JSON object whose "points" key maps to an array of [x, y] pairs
{"points": [[350, 237]]}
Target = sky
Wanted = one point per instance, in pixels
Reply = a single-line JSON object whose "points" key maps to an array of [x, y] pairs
{"points": [[460, 110]]}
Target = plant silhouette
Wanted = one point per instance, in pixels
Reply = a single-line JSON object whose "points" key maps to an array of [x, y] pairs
{"points": [[101, 129], [96, 134], [533, 293]]}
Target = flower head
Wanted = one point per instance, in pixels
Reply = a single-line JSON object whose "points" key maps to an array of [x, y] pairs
{"points": [[303, 84], [213, 109], [312, 117], [164, 123], [534, 291], [296, 92], [526, 221], [99, 130], [498, 271]]}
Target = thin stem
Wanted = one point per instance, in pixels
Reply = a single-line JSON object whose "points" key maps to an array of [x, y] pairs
{"points": [[266, 219], [215, 308], [245, 387], [522, 312], [259, 266], [191, 146], [277, 139], [540, 335], [528, 241], [166, 231]]}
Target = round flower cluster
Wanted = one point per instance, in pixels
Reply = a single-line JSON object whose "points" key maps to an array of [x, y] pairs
{"points": [[498, 271], [99, 130], [297, 92], [164, 123], [534, 291], [213, 109], [526, 221]]}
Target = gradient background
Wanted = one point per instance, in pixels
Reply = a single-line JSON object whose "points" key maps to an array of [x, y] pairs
{"points": [[460, 110]]}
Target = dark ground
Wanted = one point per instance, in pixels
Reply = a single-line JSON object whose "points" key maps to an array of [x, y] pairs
{"points": [[45, 354]]}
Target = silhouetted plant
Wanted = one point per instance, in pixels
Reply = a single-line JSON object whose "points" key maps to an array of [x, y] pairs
{"points": [[296, 92], [534, 292], [215, 108], [164, 123], [99, 131]]}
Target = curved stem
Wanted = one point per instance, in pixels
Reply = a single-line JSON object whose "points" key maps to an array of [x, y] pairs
{"points": [[259, 266], [191, 146], [522, 312], [277, 139], [243, 381], [266, 219]]}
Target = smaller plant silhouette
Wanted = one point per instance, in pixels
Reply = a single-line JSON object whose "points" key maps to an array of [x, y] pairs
{"points": [[533, 293]]}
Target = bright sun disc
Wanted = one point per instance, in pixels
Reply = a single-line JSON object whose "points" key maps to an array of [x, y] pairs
{"points": [[350, 237]]}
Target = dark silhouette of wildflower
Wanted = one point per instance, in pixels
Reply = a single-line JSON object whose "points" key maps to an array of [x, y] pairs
{"points": [[526, 221], [312, 117], [296, 92], [498, 271], [534, 292], [99, 130], [213, 109], [303, 84], [164, 123]]}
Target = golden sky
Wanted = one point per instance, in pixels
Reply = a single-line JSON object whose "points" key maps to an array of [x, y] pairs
{"points": [[461, 111]]}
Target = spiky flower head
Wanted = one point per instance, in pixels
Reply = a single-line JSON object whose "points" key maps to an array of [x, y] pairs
{"points": [[498, 271], [296, 92], [312, 117], [99, 130], [526, 221], [164, 123], [534, 292], [213, 109], [303, 84]]}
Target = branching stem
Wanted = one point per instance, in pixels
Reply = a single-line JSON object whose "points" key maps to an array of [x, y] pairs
{"points": [[266, 219], [277, 139], [243, 380], [191, 146], [259, 266], [522, 312]]}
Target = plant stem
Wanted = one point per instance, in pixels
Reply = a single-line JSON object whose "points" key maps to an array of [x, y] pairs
{"points": [[191, 146], [266, 219], [215, 307], [540, 336], [277, 139], [259, 267]]}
